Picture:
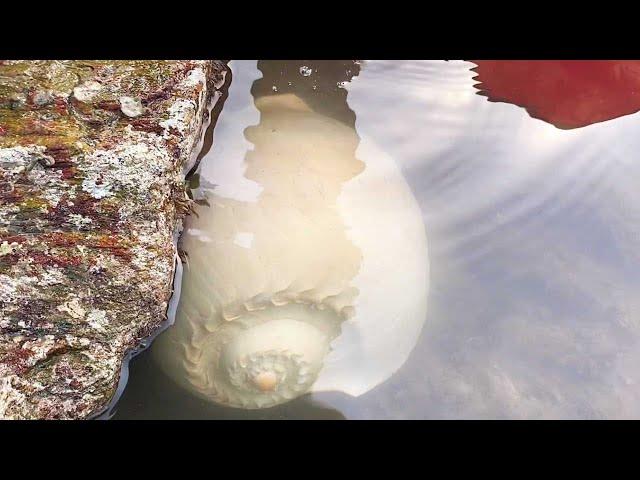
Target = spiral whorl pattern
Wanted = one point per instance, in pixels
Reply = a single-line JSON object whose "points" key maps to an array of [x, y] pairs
{"points": [[262, 357], [268, 371]]}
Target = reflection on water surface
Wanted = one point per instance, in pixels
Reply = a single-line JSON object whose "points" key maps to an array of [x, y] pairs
{"points": [[531, 276], [565, 93]]}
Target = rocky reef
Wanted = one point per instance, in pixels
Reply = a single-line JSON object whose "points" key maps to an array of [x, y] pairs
{"points": [[93, 156]]}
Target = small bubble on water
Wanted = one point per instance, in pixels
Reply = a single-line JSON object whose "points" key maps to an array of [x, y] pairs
{"points": [[305, 71], [274, 88]]}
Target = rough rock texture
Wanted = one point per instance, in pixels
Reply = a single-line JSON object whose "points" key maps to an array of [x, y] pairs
{"points": [[92, 163]]}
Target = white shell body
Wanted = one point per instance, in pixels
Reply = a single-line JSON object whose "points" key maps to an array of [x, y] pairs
{"points": [[320, 282]]}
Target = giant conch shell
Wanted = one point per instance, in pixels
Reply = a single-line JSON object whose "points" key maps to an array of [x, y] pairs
{"points": [[319, 284]]}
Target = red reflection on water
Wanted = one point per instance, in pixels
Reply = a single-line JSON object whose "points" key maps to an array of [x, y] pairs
{"points": [[565, 93]]}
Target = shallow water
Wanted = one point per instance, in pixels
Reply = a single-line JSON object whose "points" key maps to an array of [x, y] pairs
{"points": [[533, 236]]}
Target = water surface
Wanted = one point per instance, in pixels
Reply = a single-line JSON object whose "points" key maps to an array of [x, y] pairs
{"points": [[533, 236]]}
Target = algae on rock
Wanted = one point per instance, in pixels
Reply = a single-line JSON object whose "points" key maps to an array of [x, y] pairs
{"points": [[92, 162]]}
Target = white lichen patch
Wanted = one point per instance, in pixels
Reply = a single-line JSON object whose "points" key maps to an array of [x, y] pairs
{"points": [[72, 308], [15, 160], [79, 221], [97, 319], [195, 77], [43, 97], [27, 281], [9, 396], [181, 114], [96, 190], [87, 91], [134, 167], [131, 107], [51, 184], [7, 289], [51, 276], [6, 248]]}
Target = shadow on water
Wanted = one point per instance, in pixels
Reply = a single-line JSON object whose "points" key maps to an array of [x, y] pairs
{"points": [[151, 395], [207, 142], [319, 85]]}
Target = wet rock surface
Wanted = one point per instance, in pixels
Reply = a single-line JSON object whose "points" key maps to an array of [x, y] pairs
{"points": [[92, 162]]}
